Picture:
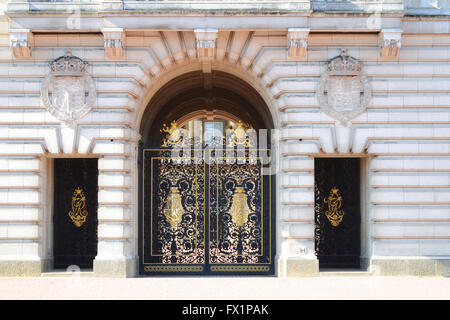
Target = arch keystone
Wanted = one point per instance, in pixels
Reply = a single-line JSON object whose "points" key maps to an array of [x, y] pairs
{"points": [[206, 47]]}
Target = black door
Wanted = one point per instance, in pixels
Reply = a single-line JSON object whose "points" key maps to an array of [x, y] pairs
{"points": [[337, 212], [75, 212]]}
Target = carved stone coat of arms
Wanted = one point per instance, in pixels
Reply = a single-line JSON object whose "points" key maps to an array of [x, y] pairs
{"points": [[343, 90], [68, 92]]}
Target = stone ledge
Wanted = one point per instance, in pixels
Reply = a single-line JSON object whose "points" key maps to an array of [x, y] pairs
{"points": [[20, 268], [115, 268], [361, 6], [421, 267], [298, 267]]}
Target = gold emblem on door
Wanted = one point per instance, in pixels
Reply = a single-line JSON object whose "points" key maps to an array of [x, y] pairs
{"points": [[334, 214], [78, 214]]}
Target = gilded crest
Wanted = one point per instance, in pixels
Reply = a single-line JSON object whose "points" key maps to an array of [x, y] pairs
{"points": [[174, 134], [68, 91], [343, 90], [239, 208], [174, 208], [334, 212], [78, 214], [240, 135]]}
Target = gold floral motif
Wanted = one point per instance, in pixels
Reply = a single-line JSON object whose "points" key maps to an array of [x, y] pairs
{"points": [[78, 214], [239, 208], [334, 201], [174, 209]]}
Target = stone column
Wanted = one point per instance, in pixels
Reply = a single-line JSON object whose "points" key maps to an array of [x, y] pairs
{"points": [[117, 212], [296, 233]]}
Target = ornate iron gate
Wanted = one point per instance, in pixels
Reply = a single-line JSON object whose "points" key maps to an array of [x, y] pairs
{"points": [[337, 212], [206, 211], [75, 212]]}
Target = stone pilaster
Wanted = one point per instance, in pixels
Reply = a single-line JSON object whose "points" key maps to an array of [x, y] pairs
{"points": [[116, 219]]}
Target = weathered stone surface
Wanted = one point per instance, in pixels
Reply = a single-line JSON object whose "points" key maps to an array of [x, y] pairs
{"points": [[20, 268], [297, 267], [410, 267], [116, 268]]}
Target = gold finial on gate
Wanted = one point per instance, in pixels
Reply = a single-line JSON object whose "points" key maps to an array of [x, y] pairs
{"points": [[240, 135], [174, 135]]}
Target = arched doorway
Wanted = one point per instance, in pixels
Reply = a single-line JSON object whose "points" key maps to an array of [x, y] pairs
{"points": [[207, 200]]}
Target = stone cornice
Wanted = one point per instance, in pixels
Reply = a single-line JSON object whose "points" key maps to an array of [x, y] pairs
{"points": [[164, 6], [96, 21]]}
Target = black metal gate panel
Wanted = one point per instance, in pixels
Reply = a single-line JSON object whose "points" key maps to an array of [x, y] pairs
{"points": [[206, 211], [75, 212], [337, 212]]}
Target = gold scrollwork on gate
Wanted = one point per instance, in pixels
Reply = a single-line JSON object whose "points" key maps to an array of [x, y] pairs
{"points": [[334, 201], [174, 209], [78, 214]]}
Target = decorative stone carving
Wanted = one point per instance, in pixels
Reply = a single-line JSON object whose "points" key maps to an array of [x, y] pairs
{"points": [[20, 42], [114, 40], [298, 42], [343, 91], [391, 42], [206, 46], [68, 92], [206, 43]]}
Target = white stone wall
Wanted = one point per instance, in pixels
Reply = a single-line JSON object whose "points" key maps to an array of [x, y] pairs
{"points": [[403, 136]]}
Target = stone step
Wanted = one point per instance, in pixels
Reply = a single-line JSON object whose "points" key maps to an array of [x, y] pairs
{"points": [[344, 273]]}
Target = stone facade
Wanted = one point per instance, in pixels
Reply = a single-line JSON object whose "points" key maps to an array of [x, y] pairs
{"points": [[281, 49]]}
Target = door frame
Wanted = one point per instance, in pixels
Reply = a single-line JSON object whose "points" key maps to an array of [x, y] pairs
{"points": [[364, 186], [47, 166]]}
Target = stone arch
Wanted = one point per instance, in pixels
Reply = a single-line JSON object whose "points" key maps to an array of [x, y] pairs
{"points": [[183, 91], [231, 76]]}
